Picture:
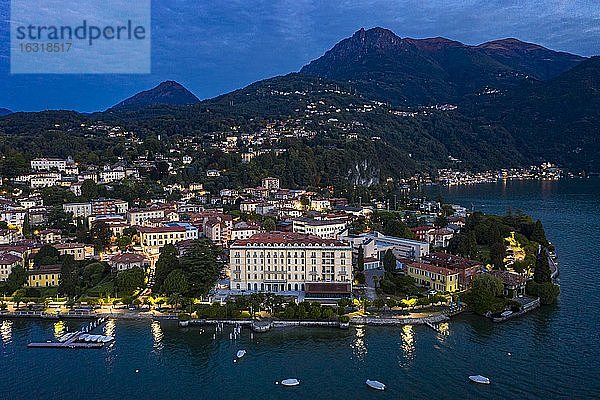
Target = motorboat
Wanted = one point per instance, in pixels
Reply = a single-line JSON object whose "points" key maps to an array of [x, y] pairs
{"points": [[375, 384], [480, 379], [290, 382], [506, 313], [241, 353]]}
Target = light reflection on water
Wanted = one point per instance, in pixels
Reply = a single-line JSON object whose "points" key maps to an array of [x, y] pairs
{"points": [[157, 336], [407, 335], [60, 328], [359, 347], [6, 331]]}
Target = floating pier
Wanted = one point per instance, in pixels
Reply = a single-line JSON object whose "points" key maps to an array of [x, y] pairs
{"points": [[74, 340]]}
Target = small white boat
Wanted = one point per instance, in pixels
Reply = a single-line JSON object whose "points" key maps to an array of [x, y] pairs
{"points": [[241, 353], [506, 313], [479, 379], [106, 339], [290, 382], [375, 384]]}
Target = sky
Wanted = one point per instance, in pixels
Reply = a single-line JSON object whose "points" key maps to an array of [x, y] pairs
{"points": [[214, 47]]}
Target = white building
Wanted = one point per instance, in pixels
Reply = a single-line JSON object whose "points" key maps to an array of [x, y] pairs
{"points": [[326, 229], [270, 183], [284, 261], [375, 244], [44, 180], [48, 164], [153, 239], [79, 210]]}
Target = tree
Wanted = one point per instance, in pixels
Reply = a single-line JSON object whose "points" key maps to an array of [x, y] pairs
{"points": [[378, 303], [360, 278], [89, 189], [396, 227], [123, 242], [360, 260], [547, 292], [539, 235], [168, 261], [269, 224], [69, 277], [497, 254], [93, 274], [441, 221], [203, 265], [176, 283], [16, 279], [129, 280], [46, 255], [541, 272], [100, 235], [59, 219], [389, 261], [483, 296]]}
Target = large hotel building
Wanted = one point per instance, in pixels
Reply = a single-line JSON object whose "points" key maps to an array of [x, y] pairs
{"points": [[286, 261]]}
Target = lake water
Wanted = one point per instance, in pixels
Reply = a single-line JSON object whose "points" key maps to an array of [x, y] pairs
{"points": [[553, 351]]}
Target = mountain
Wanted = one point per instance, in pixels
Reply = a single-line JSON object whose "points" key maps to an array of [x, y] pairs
{"points": [[383, 66], [4, 111], [559, 117], [167, 93], [533, 59]]}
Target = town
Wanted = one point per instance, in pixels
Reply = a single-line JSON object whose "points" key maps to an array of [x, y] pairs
{"points": [[66, 245]]}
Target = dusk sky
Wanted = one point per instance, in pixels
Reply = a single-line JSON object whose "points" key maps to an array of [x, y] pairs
{"points": [[215, 47]]}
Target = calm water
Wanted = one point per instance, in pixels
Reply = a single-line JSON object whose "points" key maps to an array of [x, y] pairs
{"points": [[554, 351]]}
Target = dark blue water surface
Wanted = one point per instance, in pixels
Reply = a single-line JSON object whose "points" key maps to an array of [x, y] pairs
{"points": [[553, 351]]}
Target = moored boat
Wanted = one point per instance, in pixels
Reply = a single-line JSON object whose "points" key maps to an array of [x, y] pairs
{"points": [[375, 384], [480, 379], [290, 382]]}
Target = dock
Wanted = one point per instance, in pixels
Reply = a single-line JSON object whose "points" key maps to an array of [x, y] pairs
{"points": [[73, 341]]}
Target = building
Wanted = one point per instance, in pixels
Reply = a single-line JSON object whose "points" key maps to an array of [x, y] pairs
{"points": [[44, 180], [243, 230], [320, 204], [270, 183], [7, 262], [44, 276], [50, 236], [124, 261], [191, 231], [326, 229], [109, 206], [79, 251], [432, 277], [48, 164], [372, 263], [137, 216], [514, 284], [466, 268], [153, 239], [286, 261], [8, 236], [375, 244], [79, 210]]}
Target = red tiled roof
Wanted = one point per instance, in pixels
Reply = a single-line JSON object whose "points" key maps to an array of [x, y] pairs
{"points": [[287, 238], [160, 229], [127, 258], [432, 268]]}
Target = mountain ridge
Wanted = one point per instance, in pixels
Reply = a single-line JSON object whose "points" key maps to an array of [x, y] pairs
{"points": [[166, 93]]}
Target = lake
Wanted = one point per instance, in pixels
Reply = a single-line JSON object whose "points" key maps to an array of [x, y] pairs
{"points": [[549, 353]]}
